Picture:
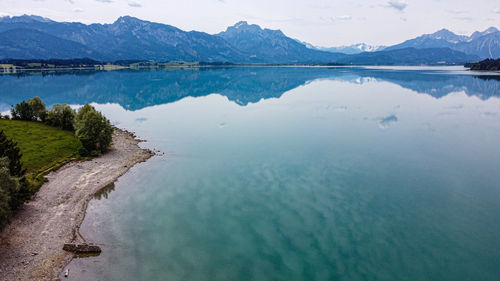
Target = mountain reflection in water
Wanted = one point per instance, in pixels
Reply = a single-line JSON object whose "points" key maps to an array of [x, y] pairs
{"points": [[137, 89]]}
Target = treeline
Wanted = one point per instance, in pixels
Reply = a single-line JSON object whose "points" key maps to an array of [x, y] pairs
{"points": [[92, 129], [84, 62], [485, 65], [87, 62], [216, 63]]}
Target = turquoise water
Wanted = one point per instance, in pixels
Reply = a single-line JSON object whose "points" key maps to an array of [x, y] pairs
{"points": [[294, 173]]}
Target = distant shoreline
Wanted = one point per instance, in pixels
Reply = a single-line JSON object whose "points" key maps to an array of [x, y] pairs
{"points": [[197, 66], [31, 246]]}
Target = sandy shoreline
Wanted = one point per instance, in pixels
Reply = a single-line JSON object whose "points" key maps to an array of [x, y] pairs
{"points": [[31, 246]]}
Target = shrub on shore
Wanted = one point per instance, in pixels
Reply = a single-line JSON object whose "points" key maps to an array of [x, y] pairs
{"points": [[61, 116], [14, 188], [93, 130], [9, 185], [9, 149], [22, 111], [32, 110], [38, 108]]}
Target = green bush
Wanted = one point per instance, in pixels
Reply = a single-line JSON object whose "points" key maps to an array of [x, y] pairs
{"points": [[93, 130], [9, 149], [9, 187], [23, 111], [32, 110], [61, 116], [14, 189], [38, 108]]}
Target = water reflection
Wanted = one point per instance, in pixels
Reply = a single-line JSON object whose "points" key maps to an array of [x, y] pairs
{"points": [[136, 89], [347, 178], [104, 192]]}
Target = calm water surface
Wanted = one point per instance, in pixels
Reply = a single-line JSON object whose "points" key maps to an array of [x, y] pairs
{"points": [[293, 173]]}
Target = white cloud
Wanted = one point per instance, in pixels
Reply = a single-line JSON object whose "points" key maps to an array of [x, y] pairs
{"points": [[457, 12], [104, 1], [78, 10], [399, 5], [134, 4], [345, 17], [463, 18], [339, 18]]}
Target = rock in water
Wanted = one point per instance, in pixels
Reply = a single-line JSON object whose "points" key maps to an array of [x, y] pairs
{"points": [[81, 248]]}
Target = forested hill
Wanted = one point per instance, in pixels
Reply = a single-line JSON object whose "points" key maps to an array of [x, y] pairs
{"points": [[485, 65]]}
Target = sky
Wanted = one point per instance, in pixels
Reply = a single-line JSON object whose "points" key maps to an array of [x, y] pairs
{"points": [[319, 22]]}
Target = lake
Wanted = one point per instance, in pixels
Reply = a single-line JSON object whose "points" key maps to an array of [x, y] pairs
{"points": [[293, 173]]}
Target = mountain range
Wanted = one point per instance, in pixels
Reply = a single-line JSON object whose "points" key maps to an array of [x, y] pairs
{"points": [[126, 38], [350, 49], [34, 37], [266, 45], [408, 56], [485, 44]]}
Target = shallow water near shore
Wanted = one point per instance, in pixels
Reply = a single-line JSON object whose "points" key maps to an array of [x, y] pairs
{"points": [[293, 173]]}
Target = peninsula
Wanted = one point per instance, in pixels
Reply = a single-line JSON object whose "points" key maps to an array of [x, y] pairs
{"points": [[31, 247]]}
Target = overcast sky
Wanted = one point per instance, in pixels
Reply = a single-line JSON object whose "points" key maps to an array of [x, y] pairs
{"points": [[320, 22]]}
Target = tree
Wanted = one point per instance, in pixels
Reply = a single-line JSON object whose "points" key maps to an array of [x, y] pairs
{"points": [[32, 110], [38, 108], [8, 186], [62, 116], [9, 150], [93, 130], [23, 111]]}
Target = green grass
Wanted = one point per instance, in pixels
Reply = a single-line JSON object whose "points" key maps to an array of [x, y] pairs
{"points": [[44, 148]]}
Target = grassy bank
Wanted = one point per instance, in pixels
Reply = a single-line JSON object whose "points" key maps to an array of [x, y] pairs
{"points": [[44, 148]]}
